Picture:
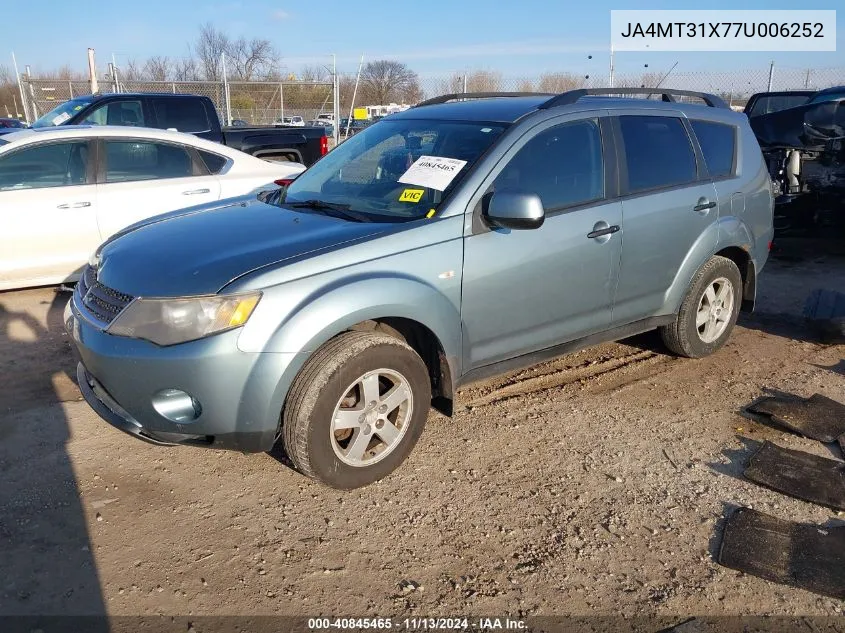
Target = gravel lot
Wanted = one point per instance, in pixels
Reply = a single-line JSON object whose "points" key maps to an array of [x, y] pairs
{"points": [[594, 484]]}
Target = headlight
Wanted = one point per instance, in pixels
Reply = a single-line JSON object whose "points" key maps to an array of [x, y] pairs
{"points": [[171, 321]]}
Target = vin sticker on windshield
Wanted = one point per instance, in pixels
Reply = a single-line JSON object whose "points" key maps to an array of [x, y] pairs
{"points": [[411, 195], [58, 120], [433, 172]]}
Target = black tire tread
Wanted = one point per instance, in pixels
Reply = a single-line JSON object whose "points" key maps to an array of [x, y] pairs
{"points": [[316, 372], [675, 335]]}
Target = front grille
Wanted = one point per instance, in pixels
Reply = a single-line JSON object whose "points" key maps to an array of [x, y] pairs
{"points": [[103, 302]]}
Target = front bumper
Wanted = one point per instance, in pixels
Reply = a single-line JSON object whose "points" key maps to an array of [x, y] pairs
{"points": [[105, 406], [241, 394]]}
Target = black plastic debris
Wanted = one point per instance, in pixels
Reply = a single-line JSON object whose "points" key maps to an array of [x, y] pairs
{"points": [[799, 474], [796, 554], [817, 417], [825, 312]]}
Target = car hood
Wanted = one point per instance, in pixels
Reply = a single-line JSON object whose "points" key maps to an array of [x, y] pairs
{"points": [[199, 250], [809, 126]]}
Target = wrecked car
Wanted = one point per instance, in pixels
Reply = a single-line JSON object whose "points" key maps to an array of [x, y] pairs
{"points": [[804, 149]]}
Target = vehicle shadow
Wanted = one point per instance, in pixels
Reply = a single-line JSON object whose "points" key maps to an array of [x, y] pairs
{"points": [[45, 550]]}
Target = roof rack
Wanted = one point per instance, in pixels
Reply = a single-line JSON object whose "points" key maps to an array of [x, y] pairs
{"points": [[572, 96], [480, 95], [667, 94]]}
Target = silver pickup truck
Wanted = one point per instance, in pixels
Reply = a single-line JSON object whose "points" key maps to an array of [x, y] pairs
{"points": [[467, 236]]}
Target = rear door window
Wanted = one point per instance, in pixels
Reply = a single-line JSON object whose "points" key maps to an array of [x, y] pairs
{"points": [[718, 144], [185, 115], [658, 152], [129, 160]]}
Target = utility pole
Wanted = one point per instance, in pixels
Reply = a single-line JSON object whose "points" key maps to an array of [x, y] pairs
{"points": [[336, 108], [92, 72], [114, 77], [31, 93], [610, 82], [354, 95], [20, 89], [226, 90]]}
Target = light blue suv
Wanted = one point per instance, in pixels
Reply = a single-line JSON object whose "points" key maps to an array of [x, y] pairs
{"points": [[465, 237]]}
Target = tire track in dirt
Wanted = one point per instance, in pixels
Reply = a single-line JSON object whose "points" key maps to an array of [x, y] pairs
{"points": [[553, 376]]}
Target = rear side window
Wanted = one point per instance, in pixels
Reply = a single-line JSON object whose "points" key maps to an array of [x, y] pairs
{"points": [[127, 161], [214, 162], [185, 115], [718, 144], [563, 165], [658, 152]]}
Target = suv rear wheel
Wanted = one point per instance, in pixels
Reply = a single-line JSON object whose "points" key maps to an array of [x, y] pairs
{"points": [[708, 312], [356, 409]]}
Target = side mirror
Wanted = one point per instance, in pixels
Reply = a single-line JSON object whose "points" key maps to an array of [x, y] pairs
{"points": [[514, 210]]}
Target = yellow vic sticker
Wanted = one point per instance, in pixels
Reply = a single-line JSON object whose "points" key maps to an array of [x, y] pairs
{"points": [[411, 195]]}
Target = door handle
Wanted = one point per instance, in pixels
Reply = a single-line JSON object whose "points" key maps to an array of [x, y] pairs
{"points": [[75, 205], [610, 230], [704, 205], [193, 192]]}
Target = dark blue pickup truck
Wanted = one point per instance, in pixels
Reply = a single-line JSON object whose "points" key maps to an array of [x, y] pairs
{"points": [[193, 114]]}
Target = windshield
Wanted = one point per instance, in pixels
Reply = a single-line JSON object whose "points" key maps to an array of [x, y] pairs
{"points": [[62, 113], [776, 103], [394, 170]]}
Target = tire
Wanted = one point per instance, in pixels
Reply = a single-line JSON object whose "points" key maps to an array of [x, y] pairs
{"points": [[334, 381], [683, 336]]}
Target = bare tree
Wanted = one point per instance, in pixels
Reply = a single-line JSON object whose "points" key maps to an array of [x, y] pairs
{"points": [[133, 71], [9, 101], [384, 81], [210, 45], [560, 82], [185, 69], [158, 68], [484, 81], [526, 85], [68, 73], [252, 58], [315, 73], [454, 84]]}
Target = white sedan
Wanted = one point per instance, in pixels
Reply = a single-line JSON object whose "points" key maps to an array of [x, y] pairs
{"points": [[64, 190]]}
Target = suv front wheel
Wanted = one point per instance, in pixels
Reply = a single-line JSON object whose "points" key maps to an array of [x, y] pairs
{"points": [[708, 312], [356, 409]]}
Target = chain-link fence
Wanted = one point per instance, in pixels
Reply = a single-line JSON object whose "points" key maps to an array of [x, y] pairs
{"points": [[256, 102], [267, 102]]}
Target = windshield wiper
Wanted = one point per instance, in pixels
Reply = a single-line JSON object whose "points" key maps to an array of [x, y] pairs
{"points": [[318, 204], [337, 210]]}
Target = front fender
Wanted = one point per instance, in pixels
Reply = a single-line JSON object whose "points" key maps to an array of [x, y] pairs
{"points": [[335, 308], [323, 313]]}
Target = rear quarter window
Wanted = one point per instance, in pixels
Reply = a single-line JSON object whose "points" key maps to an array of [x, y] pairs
{"points": [[214, 162], [718, 144]]}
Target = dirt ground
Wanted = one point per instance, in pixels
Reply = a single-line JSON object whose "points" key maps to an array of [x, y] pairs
{"points": [[594, 484]]}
